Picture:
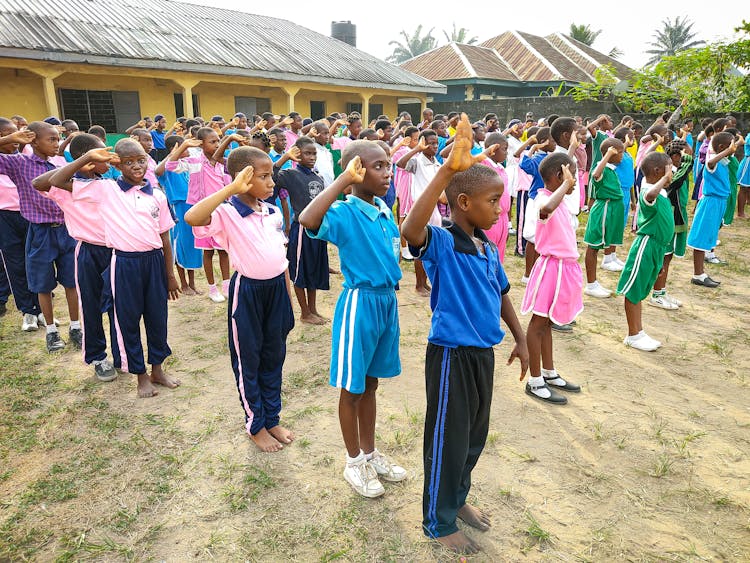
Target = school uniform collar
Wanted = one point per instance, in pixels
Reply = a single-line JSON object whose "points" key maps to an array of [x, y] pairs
{"points": [[372, 212], [462, 242], [125, 186], [36, 158], [244, 209], [611, 166]]}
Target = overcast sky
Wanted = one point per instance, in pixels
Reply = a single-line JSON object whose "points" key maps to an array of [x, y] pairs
{"points": [[623, 25]]}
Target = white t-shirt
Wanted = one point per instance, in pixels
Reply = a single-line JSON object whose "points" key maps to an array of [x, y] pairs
{"points": [[324, 164], [424, 170]]}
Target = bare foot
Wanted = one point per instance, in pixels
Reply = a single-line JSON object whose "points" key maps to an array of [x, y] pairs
{"points": [[313, 320], [266, 442], [324, 319], [187, 290], [196, 290], [158, 377], [283, 435], [474, 517], [333, 271], [459, 543], [145, 387], [423, 292]]}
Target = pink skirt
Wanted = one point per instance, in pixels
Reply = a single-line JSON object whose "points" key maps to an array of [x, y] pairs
{"points": [[499, 235], [403, 193], [207, 243], [554, 290]]}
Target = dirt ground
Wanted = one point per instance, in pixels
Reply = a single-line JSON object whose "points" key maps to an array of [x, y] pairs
{"points": [[651, 462]]}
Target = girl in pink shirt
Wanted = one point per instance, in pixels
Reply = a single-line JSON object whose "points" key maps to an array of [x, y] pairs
{"points": [[402, 180], [499, 231], [207, 176], [260, 311], [553, 294]]}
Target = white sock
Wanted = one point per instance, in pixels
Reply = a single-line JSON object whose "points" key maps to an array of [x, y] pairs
{"points": [[702, 277], [212, 287], [592, 285], [710, 254], [539, 381], [551, 377], [608, 258], [355, 460], [75, 324], [369, 456], [51, 328]]}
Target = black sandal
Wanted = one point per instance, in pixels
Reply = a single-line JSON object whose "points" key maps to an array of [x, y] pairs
{"points": [[554, 398]]}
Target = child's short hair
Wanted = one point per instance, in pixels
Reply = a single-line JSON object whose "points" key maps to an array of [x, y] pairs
{"points": [[675, 147], [531, 131], [469, 182], [720, 124], [409, 131], [83, 143], [553, 163], [622, 132], [98, 131], [173, 140], [140, 133], [542, 134], [452, 114], [302, 142], [659, 129], [128, 147], [705, 122], [194, 131], [612, 142], [293, 114], [495, 138], [637, 126], [382, 124], [204, 132], [437, 123], [39, 127], [551, 120], [561, 125], [190, 123], [357, 148], [653, 161], [722, 138], [242, 157], [426, 133], [4, 122], [276, 131], [367, 133]]}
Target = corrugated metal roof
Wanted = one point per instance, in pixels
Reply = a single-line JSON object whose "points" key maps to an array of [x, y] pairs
{"points": [[154, 34], [622, 71], [457, 61], [523, 60], [566, 68], [486, 63]]}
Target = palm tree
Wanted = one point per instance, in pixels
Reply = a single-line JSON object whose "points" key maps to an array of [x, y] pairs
{"points": [[671, 39], [412, 46], [615, 53], [460, 36], [583, 33]]}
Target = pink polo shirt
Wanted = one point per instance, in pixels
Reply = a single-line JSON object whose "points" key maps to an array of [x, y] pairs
{"points": [[133, 220], [291, 138], [8, 195], [205, 179], [254, 239], [151, 172], [82, 218]]}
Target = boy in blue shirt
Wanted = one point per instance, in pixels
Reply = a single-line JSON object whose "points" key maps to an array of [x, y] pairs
{"points": [[469, 296], [365, 324]]}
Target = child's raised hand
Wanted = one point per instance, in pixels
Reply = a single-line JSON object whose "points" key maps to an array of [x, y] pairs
{"points": [[23, 137], [287, 121], [575, 142], [628, 141], [262, 124], [658, 139], [460, 158], [422, 145], [141, 124], [101, 155], [568, 175], [313, 132], [356, 171], [294, 154], [237, 138], [243, 182], [486, 153], [380, 133], [611, 151], [531, 140], [192, 143], [272, 139]]}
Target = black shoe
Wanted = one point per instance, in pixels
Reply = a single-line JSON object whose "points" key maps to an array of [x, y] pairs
{"points": [[706, 282], [572, 387], [105, 371], [76, 337], [563, 328], [3, 309], [554, 398], [519, 254], [54, 342]]}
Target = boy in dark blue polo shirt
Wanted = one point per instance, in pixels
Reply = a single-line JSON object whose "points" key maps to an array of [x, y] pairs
{"points": [[469, 296]]}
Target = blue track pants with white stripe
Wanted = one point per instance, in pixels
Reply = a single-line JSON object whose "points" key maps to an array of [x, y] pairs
{"points": [[459, 395]]}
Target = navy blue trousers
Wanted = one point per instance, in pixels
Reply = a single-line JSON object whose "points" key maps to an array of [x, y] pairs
{"points": [[13, 230], [50, 258], [92, 262], [260, 317], [459, 395], [4, 285], [138, 289]]}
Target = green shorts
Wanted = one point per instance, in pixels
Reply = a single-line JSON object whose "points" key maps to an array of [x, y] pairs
{"points": [[642, 267], [606, 224], [679, 245]]}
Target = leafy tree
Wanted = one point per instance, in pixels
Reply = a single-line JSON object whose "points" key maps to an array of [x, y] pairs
{"points": [[584, 33], [413, 45], [460, 36], [673, 37]]}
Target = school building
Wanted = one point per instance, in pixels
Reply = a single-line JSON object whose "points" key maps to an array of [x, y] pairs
{"points": [[110, 62], [511, 65]]}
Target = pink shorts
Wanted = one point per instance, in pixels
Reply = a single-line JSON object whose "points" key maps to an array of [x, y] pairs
{"points": [[405, 201], [207, 244], [554, 290]]}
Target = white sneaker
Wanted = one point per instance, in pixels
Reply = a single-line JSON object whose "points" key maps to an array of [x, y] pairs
{"points": [[215, 295], [364, 479], [30, 323], [524, 280], [662, 302], [619, 262], [612, 266], [597, 291], [674, 300], [43, 323], [642, 342], [385, 469], [405, 254]]}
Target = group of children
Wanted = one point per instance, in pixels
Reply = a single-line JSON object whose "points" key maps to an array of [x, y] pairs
{"points": [[269, 197]]}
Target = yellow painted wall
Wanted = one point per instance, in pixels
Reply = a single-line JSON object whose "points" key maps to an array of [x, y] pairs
{"points": [[22, 94], [22, 89]]}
